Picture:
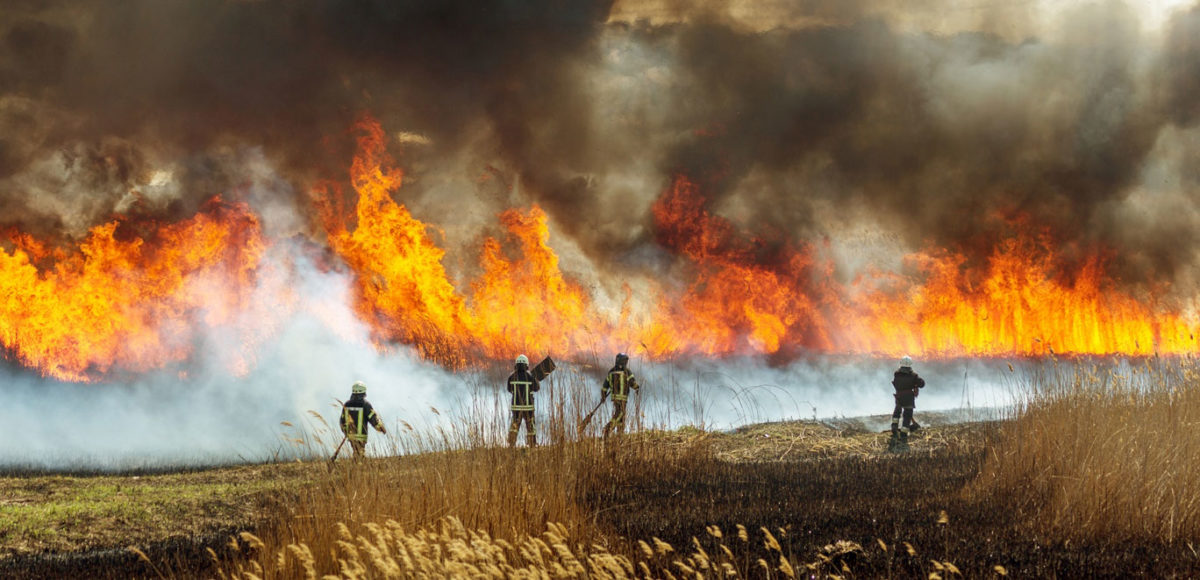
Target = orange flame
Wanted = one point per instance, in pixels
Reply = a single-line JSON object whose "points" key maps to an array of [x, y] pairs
{"points": [[127, 305], [1019, 307], [527, 304], [739, 295], [130, 298], [404, 290], [744, 297]]}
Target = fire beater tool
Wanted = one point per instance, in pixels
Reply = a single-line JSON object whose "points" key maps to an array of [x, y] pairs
{"points": [[588, 418], [339, 449], [543, 369]]}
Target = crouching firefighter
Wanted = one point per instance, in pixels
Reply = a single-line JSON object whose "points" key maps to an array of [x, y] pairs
{"points": [[617, 383], [356, 414], [908, 385], [522, 384]]}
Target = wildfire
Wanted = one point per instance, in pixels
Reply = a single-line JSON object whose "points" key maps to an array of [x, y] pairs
{"points": [[743, 298], [1020, 307], [135, 295], [733, 295], [127, 303], [406, 293]]}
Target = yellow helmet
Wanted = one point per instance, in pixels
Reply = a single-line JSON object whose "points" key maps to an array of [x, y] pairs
{"points": [[359, 388]]}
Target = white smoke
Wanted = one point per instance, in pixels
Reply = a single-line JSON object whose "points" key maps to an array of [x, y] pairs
{"points": [[724, 394], [212, 416]]}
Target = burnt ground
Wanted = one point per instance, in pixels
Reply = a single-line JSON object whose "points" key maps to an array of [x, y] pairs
{"points": [[164, 559], [829, 493], [810, 505]]}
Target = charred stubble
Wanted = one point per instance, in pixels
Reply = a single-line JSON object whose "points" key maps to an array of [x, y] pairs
{"points": [[896, 499]]}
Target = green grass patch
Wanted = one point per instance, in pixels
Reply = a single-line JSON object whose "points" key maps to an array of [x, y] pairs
{"points": [[70, 513]]}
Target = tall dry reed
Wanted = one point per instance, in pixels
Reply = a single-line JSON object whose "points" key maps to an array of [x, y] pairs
{"points": [[462, 468], [1103, 451]]}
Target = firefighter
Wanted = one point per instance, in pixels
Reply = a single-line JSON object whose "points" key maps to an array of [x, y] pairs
{"points": [[908, 385], [617, 383], [522, 384], [356, 414]]}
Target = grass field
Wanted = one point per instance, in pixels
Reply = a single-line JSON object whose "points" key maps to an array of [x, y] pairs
{"points": [[1047, 492]]}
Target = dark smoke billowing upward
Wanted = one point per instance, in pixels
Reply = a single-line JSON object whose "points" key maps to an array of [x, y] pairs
{"points": [[811, 118]]}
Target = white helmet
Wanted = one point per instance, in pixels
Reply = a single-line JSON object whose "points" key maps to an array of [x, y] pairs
{"points": [[906, 361], [522, 360], [359, 388]]}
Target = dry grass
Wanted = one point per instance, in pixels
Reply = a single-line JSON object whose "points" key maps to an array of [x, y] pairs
{"points": [[807, 440], [1090, 473], [457, 502], [465, 471], [1103, 453], [451, 550]]}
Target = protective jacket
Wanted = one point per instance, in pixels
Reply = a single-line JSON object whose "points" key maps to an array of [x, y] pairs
{"points": [[907, 381], [356, 414], [907, 384], [617, 383], [522, 385]]}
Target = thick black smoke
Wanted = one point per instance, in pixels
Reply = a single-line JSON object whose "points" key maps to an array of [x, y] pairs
{"points": [[944, 139], [805, 119], [96, 95]]}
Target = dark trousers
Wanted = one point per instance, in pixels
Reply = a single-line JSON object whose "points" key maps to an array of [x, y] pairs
{"points": [[905, 403], [530, 428]]}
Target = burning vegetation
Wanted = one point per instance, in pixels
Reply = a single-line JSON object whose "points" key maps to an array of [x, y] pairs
{"points": [[127, 298], [639, 176], [238, 205]]}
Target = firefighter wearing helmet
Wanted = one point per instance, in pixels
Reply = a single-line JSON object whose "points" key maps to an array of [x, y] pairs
{"points": [[522, 385], [908, 385], [357, 413], [617, 383]]}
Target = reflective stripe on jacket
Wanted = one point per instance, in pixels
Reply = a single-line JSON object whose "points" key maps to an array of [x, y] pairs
{"points": [[522, 385], [617, 383], [356, 414]]}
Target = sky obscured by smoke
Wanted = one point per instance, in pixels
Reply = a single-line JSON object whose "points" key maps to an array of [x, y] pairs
{"points": [[929, 122]]}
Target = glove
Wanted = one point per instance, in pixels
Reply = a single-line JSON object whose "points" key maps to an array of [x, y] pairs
{"points": [[383, 429]]}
